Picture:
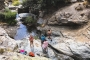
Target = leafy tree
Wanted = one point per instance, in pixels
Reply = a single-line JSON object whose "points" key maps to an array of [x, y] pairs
{"points": [[41, 4], [29, 21]]}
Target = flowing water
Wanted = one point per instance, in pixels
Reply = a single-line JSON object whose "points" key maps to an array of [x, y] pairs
{"points": [[21, 32]]}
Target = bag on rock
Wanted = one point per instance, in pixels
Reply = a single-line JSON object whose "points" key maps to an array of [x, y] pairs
{"points": [[31, 54]]}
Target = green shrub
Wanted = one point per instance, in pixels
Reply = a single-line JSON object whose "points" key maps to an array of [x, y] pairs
{"points": [[2, 16], [7, 10], [16, 3], [12, 22], [9, 17], [29, 20]]}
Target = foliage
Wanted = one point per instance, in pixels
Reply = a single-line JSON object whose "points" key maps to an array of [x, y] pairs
{"points": [[10, 17], [7, 10], [9, 14], [29, 20], [41, 3], [2, 16], [16, 3], [36, 5]]}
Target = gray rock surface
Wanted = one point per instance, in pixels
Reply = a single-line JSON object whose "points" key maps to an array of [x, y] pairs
{"points": [[69, 16], [70, 47]]}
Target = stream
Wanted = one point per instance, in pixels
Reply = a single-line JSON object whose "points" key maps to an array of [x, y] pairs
{"points": [[21, 32]]}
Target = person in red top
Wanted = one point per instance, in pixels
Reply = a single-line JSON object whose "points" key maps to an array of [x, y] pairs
{"points": [[31, 38]]}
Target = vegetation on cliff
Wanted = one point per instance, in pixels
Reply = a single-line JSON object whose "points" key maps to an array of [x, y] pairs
{"points": [[8, 17]]}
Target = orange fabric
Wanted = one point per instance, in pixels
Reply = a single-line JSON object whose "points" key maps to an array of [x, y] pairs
{"points": [[31, 54]]}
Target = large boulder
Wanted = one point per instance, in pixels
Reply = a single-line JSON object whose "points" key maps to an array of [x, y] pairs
{"points": [[6, 42], [71, 48], [70, 16]]}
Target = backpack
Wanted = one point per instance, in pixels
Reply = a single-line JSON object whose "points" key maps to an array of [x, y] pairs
{"points": [[31, 54]]}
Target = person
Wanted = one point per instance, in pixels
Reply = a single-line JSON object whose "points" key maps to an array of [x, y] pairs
{"points": [[45, 46], [49, 32], [31, 38], [42, 39]]}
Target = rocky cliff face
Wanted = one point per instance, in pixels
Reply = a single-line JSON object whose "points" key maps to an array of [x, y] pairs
{"points": [[69, 15], [2, 4]]}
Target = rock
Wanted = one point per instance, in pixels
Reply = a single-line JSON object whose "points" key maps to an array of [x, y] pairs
{"points": [[2, 5], [17, 56], [79, 7], [41, 14], [70, 47], [2, 50], [51, 54], [73, 0], [6, 41], [69, 16]]}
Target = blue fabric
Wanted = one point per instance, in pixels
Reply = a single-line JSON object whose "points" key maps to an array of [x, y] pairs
{"points": [[23, 53], [42, 37]]}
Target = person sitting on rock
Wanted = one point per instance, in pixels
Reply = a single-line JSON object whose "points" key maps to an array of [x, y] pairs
{"points": [[31, 38]]}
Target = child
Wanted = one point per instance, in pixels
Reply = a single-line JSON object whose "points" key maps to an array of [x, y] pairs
{"points": [[31, 38], [45, 46]]}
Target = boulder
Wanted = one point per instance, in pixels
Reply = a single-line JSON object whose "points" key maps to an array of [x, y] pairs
{"points": [[69, 16], [7, 42], [70, 47]]}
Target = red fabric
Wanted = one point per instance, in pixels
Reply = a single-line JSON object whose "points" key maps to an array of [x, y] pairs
{"points": [[31, 54]]}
